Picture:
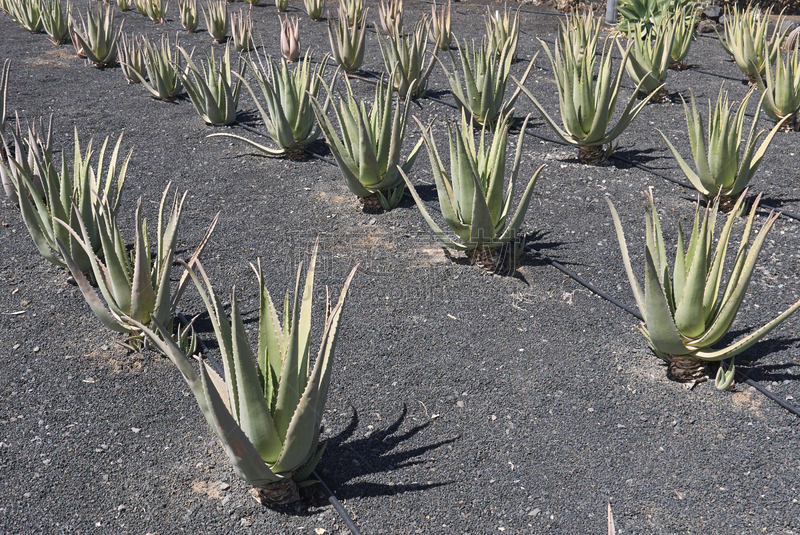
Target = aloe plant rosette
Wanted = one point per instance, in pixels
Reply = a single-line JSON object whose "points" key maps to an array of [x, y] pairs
{"points": [[213, 90], [368, 152], [485, 78], [746, 40], [586, 108], [781, 93], [72, 198], [684, 315], [649, 60], [721, 171], [289, 117], [267, 409], [471, 198], [134, 286]]}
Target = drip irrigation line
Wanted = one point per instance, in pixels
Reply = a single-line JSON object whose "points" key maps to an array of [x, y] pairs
{"points": [[588, 285], [708, 73], [783, 403], [331, 496], [338, 506]]}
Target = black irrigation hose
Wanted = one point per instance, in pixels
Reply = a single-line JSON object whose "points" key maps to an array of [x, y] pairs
{"points": [[351, 525], [338, 506]]}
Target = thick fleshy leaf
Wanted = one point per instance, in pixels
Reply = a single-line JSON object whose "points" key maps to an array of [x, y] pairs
{"points": [[663, 334], [243, 456], [254, 415], [302, 435]]}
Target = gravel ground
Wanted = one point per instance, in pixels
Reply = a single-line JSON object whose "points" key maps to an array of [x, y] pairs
{"points": [[461, 402]]}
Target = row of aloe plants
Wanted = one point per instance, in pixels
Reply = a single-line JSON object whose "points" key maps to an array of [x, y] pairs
{"points": [[251, 404], [473, 199], [265, 405]]}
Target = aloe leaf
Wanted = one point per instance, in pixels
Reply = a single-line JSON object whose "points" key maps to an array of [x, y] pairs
{"points": [[106, 317], [522, 208], [660, 325], [637, 291], [254, 415], [289, 387], [689, 313], [302, 435], [243, 456]]}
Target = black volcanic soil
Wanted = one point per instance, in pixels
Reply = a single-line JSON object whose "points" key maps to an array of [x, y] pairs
{"points": [[460, 403]]}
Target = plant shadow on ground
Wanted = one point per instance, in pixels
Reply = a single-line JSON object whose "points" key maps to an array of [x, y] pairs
{"points": [[749, 359], [641, 156], [374, 454]]}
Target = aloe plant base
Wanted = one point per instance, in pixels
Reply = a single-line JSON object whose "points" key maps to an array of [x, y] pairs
{"points": [[371, 204], [681, 65], [502, 260], [686, 369], [280, 493], [659, 97], [594, 154]]}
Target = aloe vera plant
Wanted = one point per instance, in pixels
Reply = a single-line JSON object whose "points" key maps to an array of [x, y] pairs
{"points": [[164, 70], [314, 8], [440, 26], [404, 57], [132, 58], [157, 10], [347, 43], [135, 287], [746, 40], [282, 5], [289, 117], [721, 171], [27, 13], [242, 31], [190, 16], [54, 21], [471, 198], [213, 89], [218, 22], [124, 5], [485, 76], [684, 35], [684, 315], [353, 10], [368, 151], [650, 58], [390, 16], [587, 109], [578, 36], [290, 39], [21, 154], [501, 30], [72, 198], [781, 91], [647, 14], [267, 409], [4, 93], [98, 37], [141, 7]]}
